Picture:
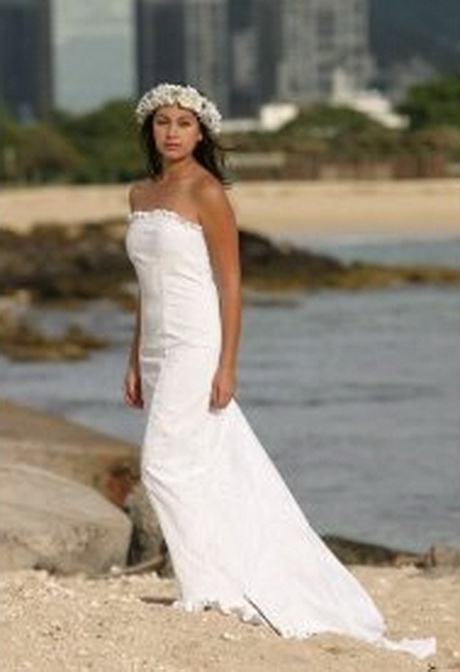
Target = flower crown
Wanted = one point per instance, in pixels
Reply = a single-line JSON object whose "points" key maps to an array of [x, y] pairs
{"points": [[185, 96]]}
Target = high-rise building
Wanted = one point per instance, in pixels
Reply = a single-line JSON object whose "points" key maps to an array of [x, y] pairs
{"points": [[184, 41], [65, 54], [301, 43], [243, 66], [160, 27], [25, 59], [206, 33], [76, 55]]}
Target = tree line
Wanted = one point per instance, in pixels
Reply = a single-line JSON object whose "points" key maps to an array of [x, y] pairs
{"points": [[102, 146]]}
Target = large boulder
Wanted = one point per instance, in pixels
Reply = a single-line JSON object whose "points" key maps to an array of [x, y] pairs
{"points": [[30, 436], [48, 521]]}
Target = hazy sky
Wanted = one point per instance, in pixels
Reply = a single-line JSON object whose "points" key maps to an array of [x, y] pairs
{"points": [[93, 52]]}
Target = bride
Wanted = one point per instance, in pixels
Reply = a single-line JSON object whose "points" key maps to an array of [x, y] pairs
{"points": [[238, 540]]}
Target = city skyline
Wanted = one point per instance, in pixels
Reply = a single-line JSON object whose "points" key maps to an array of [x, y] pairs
{"points": [[175, 43], [73, 56], [258, 51]]}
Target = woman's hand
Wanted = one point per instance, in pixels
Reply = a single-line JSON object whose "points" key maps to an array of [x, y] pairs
{"points": [[133, 387], [223, 387]]}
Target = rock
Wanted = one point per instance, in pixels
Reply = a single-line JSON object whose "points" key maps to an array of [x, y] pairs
{"points": [[50, 442], [445, 557], [20, 340], [266, 264], [13, 309], [352, 552], [90, 261], [271, 299], [50, 522], [58, 263], [147, 541]]}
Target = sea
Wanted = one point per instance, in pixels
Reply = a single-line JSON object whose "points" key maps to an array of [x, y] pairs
{"points": [[355, 395]]}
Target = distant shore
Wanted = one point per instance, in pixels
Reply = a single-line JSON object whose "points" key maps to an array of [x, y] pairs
{"points": [[412, 207]]}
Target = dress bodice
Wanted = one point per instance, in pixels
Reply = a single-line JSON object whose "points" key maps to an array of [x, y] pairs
{"points": [[172, 263], [167, 238]]}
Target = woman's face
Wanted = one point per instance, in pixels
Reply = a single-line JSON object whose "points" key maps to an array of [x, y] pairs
{"points": [[176, 131]]}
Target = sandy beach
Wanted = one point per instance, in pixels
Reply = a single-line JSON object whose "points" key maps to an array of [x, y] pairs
{"points": [[279, 209], [126, 624], [123, 623]]}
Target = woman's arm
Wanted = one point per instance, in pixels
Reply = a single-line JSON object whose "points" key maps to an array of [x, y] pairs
{"points": [[134, 349], [221, 234], [132, 381]]}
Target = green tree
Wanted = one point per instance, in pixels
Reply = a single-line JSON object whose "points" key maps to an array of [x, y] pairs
{"points": [[9, 138], [45, 155], [436, 103], [338, 131], [107, 138], [35, 152]]}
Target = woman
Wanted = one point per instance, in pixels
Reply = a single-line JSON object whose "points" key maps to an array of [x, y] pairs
{"points": [[237, 538]]}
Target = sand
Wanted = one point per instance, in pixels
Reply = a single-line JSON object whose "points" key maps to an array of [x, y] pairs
{"points": [[279, 209], [126, 624], [52, 623]]}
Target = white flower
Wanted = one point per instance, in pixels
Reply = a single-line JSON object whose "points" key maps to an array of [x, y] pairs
{"points": [[185, 96]]}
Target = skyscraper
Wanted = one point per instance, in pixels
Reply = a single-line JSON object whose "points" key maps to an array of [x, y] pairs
{"points": [[243, 69], [160, 52], [76, 55], [302, 42], [184, 40], [25, 59], [206, 33], [65, 54]]}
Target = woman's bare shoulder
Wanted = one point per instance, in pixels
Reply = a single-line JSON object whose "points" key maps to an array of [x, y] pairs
{"points": [[213, 205], [208, 190]]}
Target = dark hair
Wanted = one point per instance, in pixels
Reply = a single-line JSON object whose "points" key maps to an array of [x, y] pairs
{"points": [[208, 152]]}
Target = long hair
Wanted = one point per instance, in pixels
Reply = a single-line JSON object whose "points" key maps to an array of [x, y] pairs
{"points": [[208, 152]]}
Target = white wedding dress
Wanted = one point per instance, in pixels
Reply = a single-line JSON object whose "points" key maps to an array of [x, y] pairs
{"points": [[238, 540]]}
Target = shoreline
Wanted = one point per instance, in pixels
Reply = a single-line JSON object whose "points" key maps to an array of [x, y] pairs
{"points": [[54, 622], [283, 208], [34, 436]]}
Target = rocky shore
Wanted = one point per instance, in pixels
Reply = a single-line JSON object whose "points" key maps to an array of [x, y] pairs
{"points": [[22, 341], [48, 462], [86, 581], [89, 261], [63, 265]]}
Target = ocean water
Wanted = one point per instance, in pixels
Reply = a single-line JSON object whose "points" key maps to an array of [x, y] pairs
{"points": [[428, 248], [354, 395]]}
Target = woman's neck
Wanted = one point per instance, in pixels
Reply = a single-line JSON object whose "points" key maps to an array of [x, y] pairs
{"points": [[176, 170]]}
